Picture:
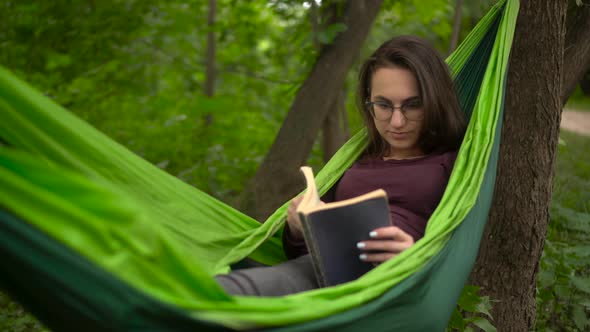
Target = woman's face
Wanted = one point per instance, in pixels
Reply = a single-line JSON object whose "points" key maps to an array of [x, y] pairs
{"points": [[396, 87]]}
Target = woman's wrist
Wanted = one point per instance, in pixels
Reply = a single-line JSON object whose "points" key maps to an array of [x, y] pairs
{"points": [[293, 233]]}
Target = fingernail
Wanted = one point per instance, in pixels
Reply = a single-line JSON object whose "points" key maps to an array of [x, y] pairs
{"points": [[373, 234], [360, 245], [363, 257]]}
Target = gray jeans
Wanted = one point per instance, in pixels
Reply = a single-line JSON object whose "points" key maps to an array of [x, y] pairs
{"points": [[290, 277]]}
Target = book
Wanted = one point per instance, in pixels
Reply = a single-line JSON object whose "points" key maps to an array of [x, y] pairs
{"points": [[332, 231]]}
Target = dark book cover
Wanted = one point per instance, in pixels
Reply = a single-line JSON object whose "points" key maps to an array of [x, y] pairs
{"points": [[333, 230]]}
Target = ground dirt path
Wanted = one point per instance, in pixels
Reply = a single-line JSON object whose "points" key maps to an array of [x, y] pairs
{"points": [[576, 121]]}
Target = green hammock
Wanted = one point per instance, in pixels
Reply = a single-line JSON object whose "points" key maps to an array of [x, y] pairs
{"points": [[92, 237]]}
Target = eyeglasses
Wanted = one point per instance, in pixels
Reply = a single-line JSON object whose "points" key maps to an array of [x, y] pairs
{"points": [[382, 111]]}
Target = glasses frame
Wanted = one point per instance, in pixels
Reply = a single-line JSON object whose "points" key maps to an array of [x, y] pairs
{"points": [[371, 104]]}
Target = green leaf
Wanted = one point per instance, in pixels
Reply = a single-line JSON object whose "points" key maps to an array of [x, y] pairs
{"points": [[112, 66], [574, 220], [580, 251], [484, 306], [563, 291], [456, 321], [580, 318], [582, 284], [469, 299], [546, 278], [484, 324], [328, 35], [57, 60]]}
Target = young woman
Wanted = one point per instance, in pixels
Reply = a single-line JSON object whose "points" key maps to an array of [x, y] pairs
{"points": [[409, 105]]}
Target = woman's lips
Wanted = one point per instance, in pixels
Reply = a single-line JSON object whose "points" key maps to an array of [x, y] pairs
{"points": [[399, 135]]}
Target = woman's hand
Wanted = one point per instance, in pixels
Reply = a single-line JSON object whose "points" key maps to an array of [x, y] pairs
{"points": [[293, 219], [388, 241]]}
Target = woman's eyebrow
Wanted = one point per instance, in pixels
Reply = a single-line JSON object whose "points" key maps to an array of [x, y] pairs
{"points": [[414, 98], [382, 98]]}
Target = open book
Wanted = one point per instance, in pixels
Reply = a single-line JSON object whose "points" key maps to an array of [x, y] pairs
{"points": [[332, 231]]}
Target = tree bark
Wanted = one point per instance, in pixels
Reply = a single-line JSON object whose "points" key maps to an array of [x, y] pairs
{"points": [[577, 49], [456, 26], [333, 128], [277, 178], [333, 132], [511, 248], [314, 21]]}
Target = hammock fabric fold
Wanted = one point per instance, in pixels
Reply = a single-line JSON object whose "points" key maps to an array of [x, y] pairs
{"points": [[95, 238]]}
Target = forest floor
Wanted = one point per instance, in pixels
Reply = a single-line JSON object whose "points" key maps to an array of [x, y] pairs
{"points": [[576, 121]]}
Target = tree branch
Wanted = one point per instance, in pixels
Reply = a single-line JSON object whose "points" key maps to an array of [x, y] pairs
{"points": [[276, 179], [576, 59]]}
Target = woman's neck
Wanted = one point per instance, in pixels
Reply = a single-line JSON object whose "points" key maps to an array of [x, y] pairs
{"points": [[399, 155]]}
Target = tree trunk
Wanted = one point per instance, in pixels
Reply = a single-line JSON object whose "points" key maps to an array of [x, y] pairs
{"points": [[277, 178], [333, 132], [456, 26], [314, 21], [333, 128], [577, 50], [508, 260]]}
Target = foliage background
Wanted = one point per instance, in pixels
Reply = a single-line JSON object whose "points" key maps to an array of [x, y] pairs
{"points": [[136, 71]]}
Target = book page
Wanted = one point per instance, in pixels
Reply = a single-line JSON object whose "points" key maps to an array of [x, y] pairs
{"points": [[311, 198]]}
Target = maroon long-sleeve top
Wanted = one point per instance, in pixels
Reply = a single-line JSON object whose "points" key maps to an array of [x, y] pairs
{"points": [[414, 188]]}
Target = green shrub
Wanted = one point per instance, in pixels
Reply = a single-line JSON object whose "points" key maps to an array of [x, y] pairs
{"points": [[563, 285]]}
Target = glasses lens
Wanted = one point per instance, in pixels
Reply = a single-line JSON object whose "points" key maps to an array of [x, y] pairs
{"points": [[381, 111], [413, 110]]}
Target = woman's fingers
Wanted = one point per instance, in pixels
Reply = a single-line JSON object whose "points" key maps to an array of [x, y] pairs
{"points": [[294, 204], [391, 233], [387, 243], [384, 245], [377, 257], [292, 209]]}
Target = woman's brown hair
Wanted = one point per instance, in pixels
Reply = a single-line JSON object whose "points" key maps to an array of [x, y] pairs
{"points": [[444, 124]]}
